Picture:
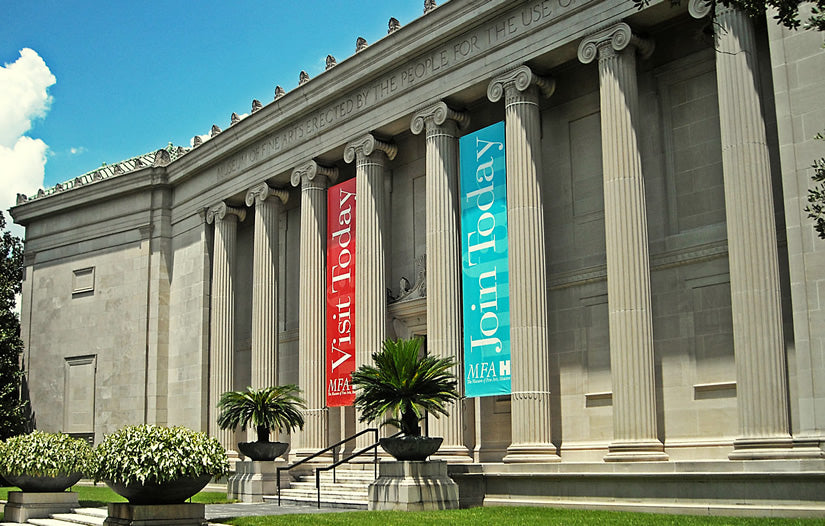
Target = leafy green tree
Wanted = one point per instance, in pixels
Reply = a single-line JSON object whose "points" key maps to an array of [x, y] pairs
{"points": [[816, 195], [276, 407], [404, 385], [13, 410], [787, 11]]}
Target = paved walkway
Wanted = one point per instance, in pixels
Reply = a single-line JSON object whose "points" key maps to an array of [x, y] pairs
{"points": [[218, 511]]}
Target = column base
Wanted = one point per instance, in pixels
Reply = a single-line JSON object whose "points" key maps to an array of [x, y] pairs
{"points": [[453, 454], [252, 480], [523, 453], [413, 486], [776, 448], [636, 451]]}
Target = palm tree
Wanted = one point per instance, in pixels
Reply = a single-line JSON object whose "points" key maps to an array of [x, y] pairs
{"points": [[276, 407], [403, 384]]}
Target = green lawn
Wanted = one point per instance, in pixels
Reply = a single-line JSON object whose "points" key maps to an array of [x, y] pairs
{"points": [[509, 516], [100, 495]]}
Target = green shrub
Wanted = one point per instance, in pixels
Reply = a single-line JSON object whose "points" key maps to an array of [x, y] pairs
{"points": [[157, 454], [41, 454]]}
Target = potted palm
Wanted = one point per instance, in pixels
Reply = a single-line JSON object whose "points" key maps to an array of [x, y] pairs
{"points": [[405, 386], [276, 407]]}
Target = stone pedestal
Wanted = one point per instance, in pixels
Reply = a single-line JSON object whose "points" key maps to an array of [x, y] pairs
{"points": [[413, 486], [252, 480], [22, 506], [187, 514]]}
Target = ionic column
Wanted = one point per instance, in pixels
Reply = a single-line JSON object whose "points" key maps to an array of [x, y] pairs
{"points": [[444, 262], [265, 283], [313, 179], [370, 156], [759, 349], [628, 268], [530, 357], [222, 320]]}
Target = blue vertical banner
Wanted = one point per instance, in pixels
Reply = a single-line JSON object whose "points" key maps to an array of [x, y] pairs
{"points": [[485, 271]]}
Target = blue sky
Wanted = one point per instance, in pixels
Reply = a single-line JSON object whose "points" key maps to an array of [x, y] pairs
{"points": [[132, 76]]}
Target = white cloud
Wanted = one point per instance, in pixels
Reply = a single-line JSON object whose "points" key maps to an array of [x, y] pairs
{"points": [[23, 98], [77, 151]]}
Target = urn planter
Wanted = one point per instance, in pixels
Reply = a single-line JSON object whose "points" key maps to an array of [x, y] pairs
{"points": [[171, 492], [260, 451], [411, 447], [36, 484]]}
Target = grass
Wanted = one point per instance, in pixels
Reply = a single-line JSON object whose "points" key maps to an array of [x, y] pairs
{"points": [[100, 495], [510, 516]]}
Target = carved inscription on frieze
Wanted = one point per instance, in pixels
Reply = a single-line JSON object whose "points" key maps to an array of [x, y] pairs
{"points": [[454, 53]]}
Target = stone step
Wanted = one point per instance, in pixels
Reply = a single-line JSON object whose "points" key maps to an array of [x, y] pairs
{"points": [[80, 518], [341, 487], [94, 512], [312, 501], [325, 495], [50, 522]]}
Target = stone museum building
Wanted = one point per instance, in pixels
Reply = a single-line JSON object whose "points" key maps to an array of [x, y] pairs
{"points": [[664, 286]]}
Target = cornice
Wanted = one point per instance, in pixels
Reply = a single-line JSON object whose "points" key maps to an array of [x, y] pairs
{"points": [[379, 58], [91, 193]]}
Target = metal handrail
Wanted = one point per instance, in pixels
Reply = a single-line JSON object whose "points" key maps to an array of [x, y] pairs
{"points": [[318, 471], [321, 452]]}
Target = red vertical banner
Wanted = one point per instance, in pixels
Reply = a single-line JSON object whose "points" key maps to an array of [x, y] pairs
{"points": [[340, 356]]}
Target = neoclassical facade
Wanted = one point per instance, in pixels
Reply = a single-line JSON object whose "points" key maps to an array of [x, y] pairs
{"points": [[664, 278]]}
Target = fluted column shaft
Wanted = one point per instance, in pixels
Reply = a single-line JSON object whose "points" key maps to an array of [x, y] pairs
{"points": [[311, 307], [370, 156], [628, 268], [529, 339], [268, 204], [222, 320], [761, 389], [444, 262]]}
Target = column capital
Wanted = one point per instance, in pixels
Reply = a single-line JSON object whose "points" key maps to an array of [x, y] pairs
{"points": [[699, 8], [219, 211], [436, 114], [366, 145], [613, 40], [521, 78], [303, 174], [262, 191]]}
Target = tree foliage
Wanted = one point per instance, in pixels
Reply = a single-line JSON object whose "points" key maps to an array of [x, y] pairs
{"points": [[816, 195], [787, 11], [13, 411], [276, 407], [404, 384]]}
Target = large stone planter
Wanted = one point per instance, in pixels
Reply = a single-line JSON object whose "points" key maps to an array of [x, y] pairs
{"points": [[172, 492], [43, 484], [413, 448], [23, 506], [413, 486], [262, 451], [187, 514]]}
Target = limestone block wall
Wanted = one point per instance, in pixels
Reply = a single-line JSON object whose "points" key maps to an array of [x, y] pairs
{"points": [[189, 324], [106, 323], [797, 60]]}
